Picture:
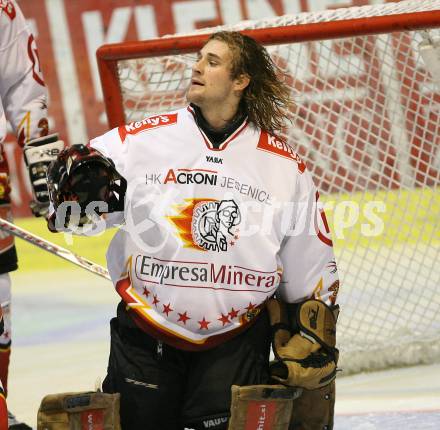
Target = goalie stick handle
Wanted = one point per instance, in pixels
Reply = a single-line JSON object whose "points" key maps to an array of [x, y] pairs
{"points": [[54, 249]]}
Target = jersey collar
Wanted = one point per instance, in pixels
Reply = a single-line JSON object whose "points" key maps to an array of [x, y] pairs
{"points": [[235, 130]]}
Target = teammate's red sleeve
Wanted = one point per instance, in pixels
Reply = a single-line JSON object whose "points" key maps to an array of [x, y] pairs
{"points": [[3, 410]]}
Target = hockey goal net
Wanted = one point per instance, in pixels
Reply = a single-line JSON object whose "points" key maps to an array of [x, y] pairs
{"points": [[367, 122]]}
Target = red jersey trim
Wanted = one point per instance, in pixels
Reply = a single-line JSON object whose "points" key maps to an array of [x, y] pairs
{"points": [[3, 410], [323, 237], [227, 141], [137, 307], [8, 8], [146, 124]]}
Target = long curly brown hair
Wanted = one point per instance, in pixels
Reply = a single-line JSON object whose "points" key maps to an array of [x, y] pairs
{"points": [[266, 99]]}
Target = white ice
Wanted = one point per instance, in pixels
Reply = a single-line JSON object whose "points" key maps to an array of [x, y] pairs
{"points": [[61, 344]]}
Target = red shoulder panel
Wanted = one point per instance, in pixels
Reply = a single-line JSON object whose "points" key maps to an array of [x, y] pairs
{"points": [[146, 124], [273, 144]]}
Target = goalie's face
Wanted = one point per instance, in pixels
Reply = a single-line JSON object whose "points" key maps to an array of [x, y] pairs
{"points": [[212, 86]]}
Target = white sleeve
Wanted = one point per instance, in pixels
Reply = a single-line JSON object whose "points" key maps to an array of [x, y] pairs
{"points": [[111, 146], [306, 254], [23, 93]]}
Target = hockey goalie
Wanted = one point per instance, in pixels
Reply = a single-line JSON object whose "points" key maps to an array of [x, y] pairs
{"points": [[214, 262]]}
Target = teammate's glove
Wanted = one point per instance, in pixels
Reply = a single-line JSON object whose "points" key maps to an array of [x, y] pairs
{"points": [[307, 359], [38, 154], [83, 175]]}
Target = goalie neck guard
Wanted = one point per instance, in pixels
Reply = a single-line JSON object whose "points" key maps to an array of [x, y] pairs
{"points": [[83, 175]]}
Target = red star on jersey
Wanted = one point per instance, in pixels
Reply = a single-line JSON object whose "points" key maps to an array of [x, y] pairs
{"points": [[250, 307], [146, 293], [167, 309], [232, 243], [204, 324], [155, 300], [183, 317], [224, 319], [233, 313]]}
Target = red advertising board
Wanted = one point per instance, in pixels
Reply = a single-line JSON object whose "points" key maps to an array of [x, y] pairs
{"points": [[69, 32]]}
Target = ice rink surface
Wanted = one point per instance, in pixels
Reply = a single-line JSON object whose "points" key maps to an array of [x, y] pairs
{"points": [[61, 343]]}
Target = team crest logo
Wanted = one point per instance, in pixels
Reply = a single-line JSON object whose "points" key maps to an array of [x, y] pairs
{"points": [[213, 222], [208, 225]]}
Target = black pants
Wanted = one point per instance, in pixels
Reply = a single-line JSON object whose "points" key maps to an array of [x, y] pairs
{"points": [[163, 388]]}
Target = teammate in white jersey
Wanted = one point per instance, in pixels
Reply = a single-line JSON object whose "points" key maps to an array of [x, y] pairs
{"points": [[23, 102], [220, 215]]}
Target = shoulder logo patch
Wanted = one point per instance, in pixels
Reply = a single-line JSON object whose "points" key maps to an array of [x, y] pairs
{"points": [[136, 127], [8, 8], [277, 146]]}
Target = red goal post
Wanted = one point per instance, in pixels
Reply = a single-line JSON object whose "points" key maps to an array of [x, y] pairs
{"points": [[108, 56], [367, 122]]}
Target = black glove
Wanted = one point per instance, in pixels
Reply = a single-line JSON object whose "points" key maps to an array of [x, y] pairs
{"points": [[38, 154], [83, 175]]}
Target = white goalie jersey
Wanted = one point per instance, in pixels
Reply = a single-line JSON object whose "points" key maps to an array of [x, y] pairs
{"points": [[210, 234]]}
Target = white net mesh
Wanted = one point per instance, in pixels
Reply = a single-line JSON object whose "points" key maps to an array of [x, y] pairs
{"points": [[367, 123]]}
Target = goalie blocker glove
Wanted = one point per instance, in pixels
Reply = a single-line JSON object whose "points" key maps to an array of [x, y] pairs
{"points": [[82, 175], [38, 154], [304, 348]]}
